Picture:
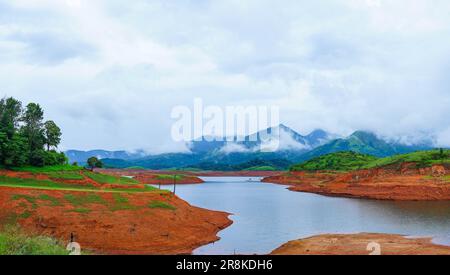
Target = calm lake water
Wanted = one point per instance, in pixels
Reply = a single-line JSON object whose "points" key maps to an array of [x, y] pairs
{"points": [[268, 215]]}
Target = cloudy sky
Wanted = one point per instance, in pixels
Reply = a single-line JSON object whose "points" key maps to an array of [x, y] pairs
{"points": [[109, 72]]}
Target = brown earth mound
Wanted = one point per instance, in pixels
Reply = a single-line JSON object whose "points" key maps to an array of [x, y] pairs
{"points": [[362, 244], [153, 177], [404, 183], [113, 223]]}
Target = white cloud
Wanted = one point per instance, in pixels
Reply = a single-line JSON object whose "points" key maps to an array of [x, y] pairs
{"points": [[234, 148], [109, 71]]}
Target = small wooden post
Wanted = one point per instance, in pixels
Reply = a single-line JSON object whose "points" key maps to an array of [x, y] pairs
{"points": [[174, 183]]}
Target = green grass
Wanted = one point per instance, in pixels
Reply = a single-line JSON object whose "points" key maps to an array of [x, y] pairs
{"points": [[161, 205], [50, 185], [186, 169], [108, 179], [169, 177], [25, 215], [29, 199], [261, 168], [47, 169], [81, 200], [65, 175], [341, 161], [120, 199], [421, 158], [52, 200], [135, 168], [121, 203], [15, 242], [348, 161], [39, 184]]}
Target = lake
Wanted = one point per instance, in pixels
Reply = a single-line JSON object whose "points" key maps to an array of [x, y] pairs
{"points": [[268, 215]]}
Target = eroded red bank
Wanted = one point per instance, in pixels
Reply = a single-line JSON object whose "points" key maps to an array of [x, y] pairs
{"points": [[390, 183], [109, 222]]}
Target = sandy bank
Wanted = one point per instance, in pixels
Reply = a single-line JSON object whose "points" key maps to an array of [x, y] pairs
{"points": [[361, 244]]}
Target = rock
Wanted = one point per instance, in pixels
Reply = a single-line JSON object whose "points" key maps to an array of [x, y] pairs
{"points": [[438, 170]]}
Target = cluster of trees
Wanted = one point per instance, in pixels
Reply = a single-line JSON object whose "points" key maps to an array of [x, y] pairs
{"points": [[25, 139], [94, 162]]}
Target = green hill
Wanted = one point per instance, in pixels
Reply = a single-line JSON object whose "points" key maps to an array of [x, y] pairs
{"points": [[421, 158], [340, 161], [349, 160], [261, 168], [364, 143]]}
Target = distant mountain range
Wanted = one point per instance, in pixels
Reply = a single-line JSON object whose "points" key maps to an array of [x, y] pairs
{"points": [[280, 138], [82, 156], [283, 149]]}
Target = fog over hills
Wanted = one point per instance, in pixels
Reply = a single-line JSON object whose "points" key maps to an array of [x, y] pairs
{"points": [[277, 147]]}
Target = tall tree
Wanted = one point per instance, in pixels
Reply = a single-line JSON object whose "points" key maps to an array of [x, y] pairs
{"points": [[52, 134], [10, 115], [33, 126], [10, 142], [94, 162], [15, 153]]}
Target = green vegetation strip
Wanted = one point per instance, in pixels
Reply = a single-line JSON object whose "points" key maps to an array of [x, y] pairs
{"points": [[162, 205], [169, 177], [14, 242], [67, 175], [50, 185], [108, 179], [261, 168], [341, 161], [349, 161], [48, 169]]}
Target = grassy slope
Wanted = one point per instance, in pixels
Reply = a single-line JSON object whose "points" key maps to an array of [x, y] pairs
{"points": [[341, 161], [14, 242], [261, 168], [169, 177], [108, 179], [48, 169], [348, 161], [51, 185], [67, 172], [421, 158]]}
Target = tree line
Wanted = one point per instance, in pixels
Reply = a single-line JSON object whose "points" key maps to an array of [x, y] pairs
{"points": [[25, 138]]}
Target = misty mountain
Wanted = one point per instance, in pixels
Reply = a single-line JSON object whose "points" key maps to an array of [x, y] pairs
{"points": [[273, 139], [366, 143], [291, 148], [82, 156]]}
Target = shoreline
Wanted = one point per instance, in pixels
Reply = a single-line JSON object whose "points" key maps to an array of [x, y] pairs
{"points": [[106, 221], [361, 244], [376, 184], [132, 172]]}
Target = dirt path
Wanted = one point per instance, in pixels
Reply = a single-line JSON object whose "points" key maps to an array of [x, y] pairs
{"points": [[362, 244]]}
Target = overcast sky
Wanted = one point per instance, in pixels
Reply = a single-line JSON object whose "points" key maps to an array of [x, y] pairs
{"points": [[109, 72]]}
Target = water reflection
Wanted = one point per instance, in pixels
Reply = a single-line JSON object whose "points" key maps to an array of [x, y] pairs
{"points": [[268, 215]]}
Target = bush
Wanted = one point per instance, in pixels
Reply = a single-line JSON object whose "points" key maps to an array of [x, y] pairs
{"points": [[14, 242], [37, 158], [52, 158]]}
